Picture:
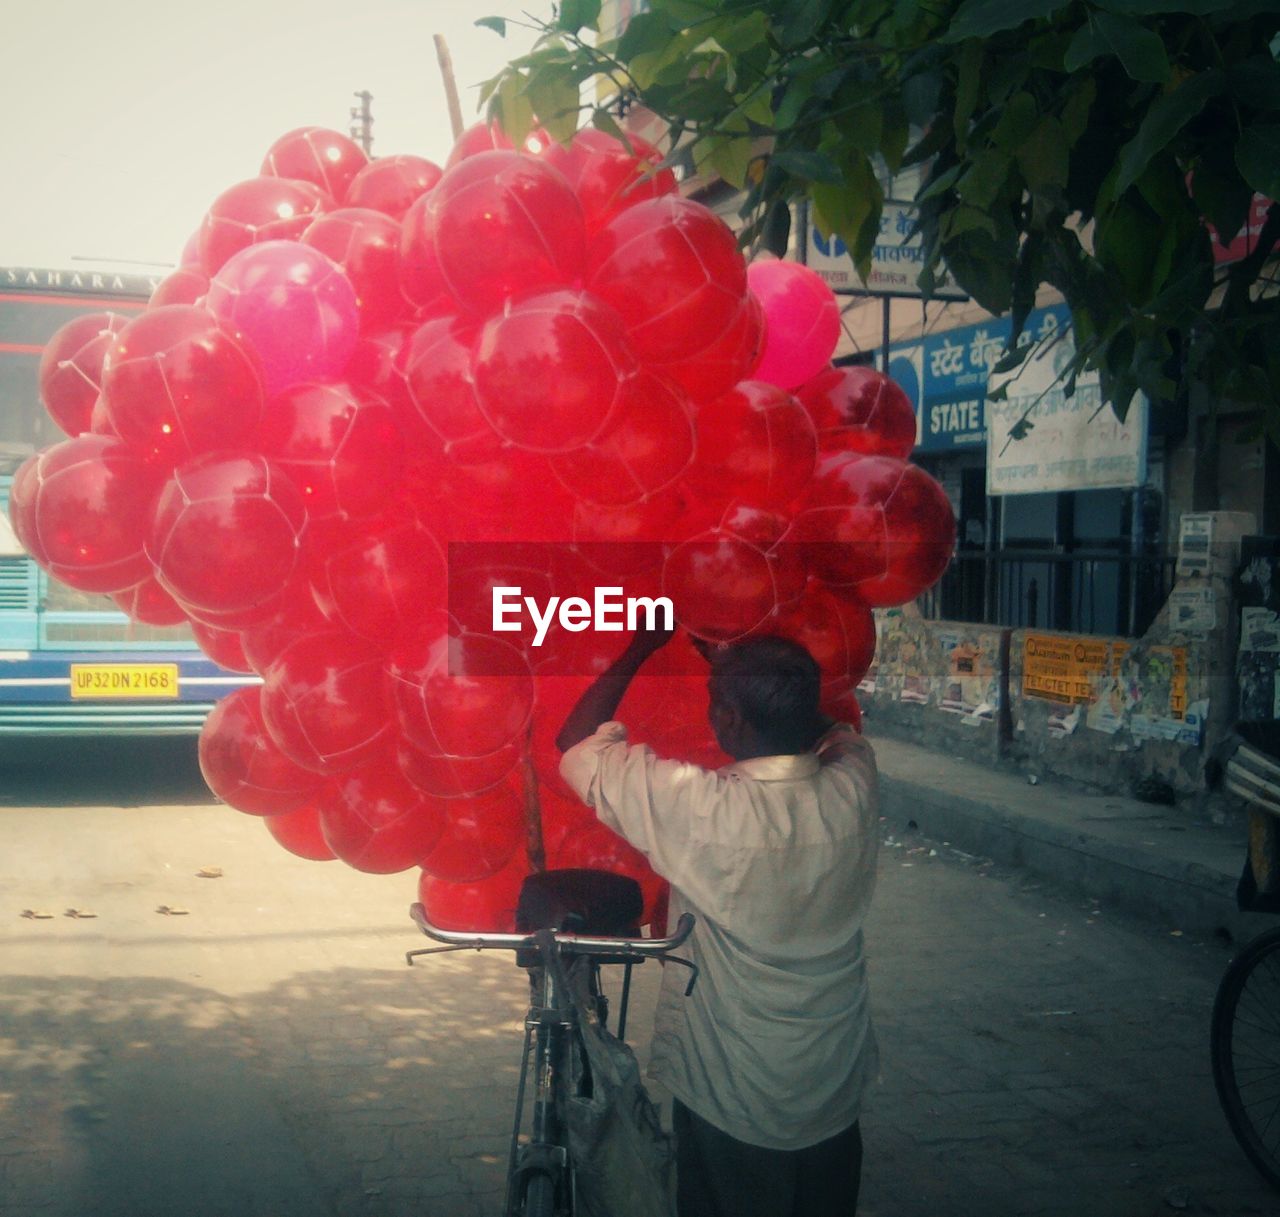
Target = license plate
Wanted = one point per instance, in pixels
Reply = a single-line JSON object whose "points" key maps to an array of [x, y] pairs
{"points": [[98, 680]]}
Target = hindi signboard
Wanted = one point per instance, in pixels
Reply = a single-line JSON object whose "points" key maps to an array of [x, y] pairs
{"points": [[1072, 443], [896, 260]]}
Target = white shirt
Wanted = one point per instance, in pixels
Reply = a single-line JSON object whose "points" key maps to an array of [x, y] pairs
{"points": [[775, 857]]}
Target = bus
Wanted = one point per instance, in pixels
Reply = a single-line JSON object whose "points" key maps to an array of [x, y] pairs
{"points": [[72, 663]]}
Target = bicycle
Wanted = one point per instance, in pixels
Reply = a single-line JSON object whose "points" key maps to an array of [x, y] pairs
{"points": [[1244, 1034], [569, 923]]}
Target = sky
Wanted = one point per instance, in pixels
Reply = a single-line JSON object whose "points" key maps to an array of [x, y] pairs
{"points": [[123, 121]]}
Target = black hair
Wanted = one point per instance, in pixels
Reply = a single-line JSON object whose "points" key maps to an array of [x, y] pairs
{"points": [[775, 685]]}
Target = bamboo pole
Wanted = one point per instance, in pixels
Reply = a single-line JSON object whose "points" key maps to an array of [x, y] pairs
{"points": [[450, 84]]}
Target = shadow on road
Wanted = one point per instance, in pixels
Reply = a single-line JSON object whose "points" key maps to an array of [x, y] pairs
{"points": [[100, 771]]}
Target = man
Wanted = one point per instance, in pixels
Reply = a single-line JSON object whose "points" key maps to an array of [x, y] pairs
{"points": [[770, 1057]]}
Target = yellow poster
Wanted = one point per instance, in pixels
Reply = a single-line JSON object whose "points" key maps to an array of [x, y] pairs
{"points": [[1061, 668]]}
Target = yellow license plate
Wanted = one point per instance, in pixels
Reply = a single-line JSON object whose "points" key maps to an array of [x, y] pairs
{"points": [[98, 680]]}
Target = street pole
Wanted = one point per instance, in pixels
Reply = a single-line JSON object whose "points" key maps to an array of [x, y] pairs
{"points": [[362, 121]]}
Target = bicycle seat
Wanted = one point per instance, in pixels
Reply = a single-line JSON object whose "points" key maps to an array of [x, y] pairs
{"points": [[580, 901]]}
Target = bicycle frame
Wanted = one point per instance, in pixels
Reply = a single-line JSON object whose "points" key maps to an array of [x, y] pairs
{"points": [[550, 1029]]}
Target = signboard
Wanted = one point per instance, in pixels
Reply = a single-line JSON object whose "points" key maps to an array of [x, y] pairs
{"points": [[1063, 669], [78, 282], [896, 260], [955, 368], [1073, 443]]}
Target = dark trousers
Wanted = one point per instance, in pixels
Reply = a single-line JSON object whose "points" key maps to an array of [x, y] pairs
{"points": [[720, 1176]]}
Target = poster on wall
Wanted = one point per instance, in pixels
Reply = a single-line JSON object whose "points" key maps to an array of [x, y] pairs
{"points": [[1070, 443]]}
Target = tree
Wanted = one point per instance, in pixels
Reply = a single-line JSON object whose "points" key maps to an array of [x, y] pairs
{"points": [[1084, 144]]}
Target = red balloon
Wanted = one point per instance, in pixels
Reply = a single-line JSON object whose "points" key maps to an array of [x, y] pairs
{"points": [[597, 847], [376, 366], [607, 177], [515, 498], [297, 615], [648, 445], [324, 701], [317, 155], [731, 357], [502, 223], [474, 573], [460, 695], [479, 137], [366, 245], [881, 528], [378, 579], [558, 693], [421, 279], [82, 509], [839, 633], [149, 603], [437, 369], [841, 703], [227, 534], [222, 646], [339, 445], [299, 832], [374, 820], [481, 835], [187, 285], [563, 816], [733, 580], [551, 372], [257, 210], [454, 777], [757, 442], [70, 372], [857, 409], [802, 321], [487, 906], [242, 764], [672, 270], [293, 307], [178, 383], [392, 184]]}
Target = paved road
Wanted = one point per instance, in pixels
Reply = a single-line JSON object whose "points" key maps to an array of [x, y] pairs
{"points": [[268, 1054]]}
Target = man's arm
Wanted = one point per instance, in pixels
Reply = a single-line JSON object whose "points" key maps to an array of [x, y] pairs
{"points": [[599, 703]]}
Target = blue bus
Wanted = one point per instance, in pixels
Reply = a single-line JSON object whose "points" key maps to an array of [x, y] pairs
{"points": [[71, 663]]}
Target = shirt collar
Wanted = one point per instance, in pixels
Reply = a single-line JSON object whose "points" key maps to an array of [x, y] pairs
{"points": [[790, 768]]}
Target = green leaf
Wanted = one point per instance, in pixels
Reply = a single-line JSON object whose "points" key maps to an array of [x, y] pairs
{"points": [[497, 24], [982, 18], [943, 182], [775, 232], [1075, 114], [511, 108], [985, 177], [1258, 158], [1256, 82], [574, 14], [1221, 193], [1016, 123], [1042, 157], [968, 80], [1140, 50], [965, 219], [730, 157], [801, 21], [982, 267], [810, 165], [603, 120], [553, 93], [1166, 116], [893, 140]]}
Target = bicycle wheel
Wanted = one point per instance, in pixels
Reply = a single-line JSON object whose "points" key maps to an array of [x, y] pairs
{"points": [[539, 1196], [1245, 1043]]}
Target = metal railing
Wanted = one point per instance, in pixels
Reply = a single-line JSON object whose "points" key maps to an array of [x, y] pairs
{"points": [[1084, 591]]}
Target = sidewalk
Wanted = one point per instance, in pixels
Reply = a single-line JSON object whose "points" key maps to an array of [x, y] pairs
{"points": [[1163, 863]]}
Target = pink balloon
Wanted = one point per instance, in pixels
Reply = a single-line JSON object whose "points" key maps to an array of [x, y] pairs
{"points": [[802, 321], [551, 370], [365, 245], [857, 409], [293, 306]]}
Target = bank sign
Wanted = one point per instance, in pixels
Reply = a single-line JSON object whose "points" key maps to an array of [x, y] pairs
{"points": [[954, 366]]}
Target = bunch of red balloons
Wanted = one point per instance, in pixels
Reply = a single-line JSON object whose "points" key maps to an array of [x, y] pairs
{"points": [[377, 390]]}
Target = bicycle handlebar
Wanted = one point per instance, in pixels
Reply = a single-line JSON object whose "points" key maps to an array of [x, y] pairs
{"points": [[574, 944]]}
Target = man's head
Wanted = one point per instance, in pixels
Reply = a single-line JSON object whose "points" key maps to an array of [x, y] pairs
{"points": [[764, 698]]}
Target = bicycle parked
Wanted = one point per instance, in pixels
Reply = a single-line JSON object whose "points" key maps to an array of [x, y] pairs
{"points": [[1245, 1032], [584, 1144]]}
